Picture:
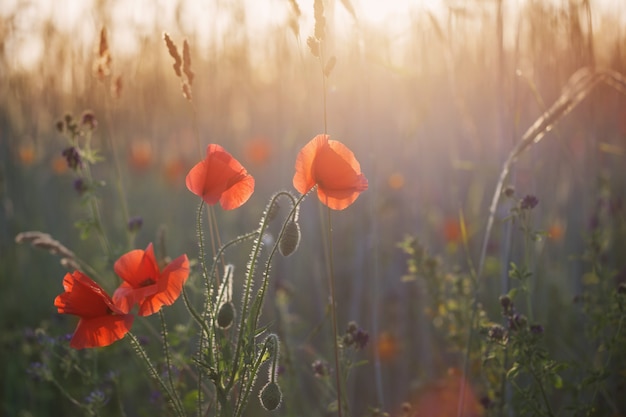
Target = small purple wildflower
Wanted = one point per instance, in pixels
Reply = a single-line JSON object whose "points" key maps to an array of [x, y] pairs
{"points": [[360, 339], [320, 368], [536, 329], [89, 120], [72, 156], [529, 202], [80, 186], [134, 224]]}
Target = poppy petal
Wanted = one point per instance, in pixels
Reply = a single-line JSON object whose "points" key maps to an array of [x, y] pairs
{"points": [[220, 177], [304, 180], [334, 168], [170, 285], [101, 331], [83, 297], [125, 296], [137, 267], [237, 194]]}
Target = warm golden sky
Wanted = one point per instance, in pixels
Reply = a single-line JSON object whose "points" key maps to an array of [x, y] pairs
{"points": [[132, 19]]}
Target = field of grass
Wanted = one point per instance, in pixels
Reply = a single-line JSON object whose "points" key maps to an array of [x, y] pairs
{"points": [[427, 260]]}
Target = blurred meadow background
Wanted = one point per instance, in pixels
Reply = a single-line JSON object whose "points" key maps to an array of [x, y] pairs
{"points": [[430, 95]]}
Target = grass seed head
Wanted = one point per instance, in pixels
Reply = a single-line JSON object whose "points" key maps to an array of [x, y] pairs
{"points": [[171, 48]]}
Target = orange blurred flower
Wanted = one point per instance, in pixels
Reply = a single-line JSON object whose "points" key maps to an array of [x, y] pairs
{"points": [[101, 321], [140, 154], [58, 165], [258, 150], [386, 346], [26, 154], [145, 284], [441, 399], [173, 170], [396, 181], [556, 232], [333, 167], [452, 230], [220, 177]]}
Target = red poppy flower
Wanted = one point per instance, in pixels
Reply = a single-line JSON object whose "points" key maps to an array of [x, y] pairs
{"points": [[220, 177], [333, 167], [145, 284], [101, 322]]}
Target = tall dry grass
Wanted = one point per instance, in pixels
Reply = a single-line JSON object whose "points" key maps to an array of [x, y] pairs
{"points": [[435, 111]]}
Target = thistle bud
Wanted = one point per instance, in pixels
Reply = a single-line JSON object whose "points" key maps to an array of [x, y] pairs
{"points": [[226, 315], [290, 239], [270, 396]]}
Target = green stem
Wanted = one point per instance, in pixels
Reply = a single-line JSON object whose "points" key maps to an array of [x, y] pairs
{"points": [[333, 312], [168, 360], [141, 353], [247, 389]]}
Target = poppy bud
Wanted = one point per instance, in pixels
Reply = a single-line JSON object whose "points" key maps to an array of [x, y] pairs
{"points": [[290, 239], [226, 315], [271, 396]]}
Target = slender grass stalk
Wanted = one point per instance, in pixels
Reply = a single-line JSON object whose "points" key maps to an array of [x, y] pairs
{"points": [[166, 353], [119, 186], [333, 311]]}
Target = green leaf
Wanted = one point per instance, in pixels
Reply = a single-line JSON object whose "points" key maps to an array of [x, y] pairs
{"points": [[332, 407], [512, 373]]}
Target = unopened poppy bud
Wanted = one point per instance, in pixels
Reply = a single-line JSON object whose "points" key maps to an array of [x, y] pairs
{"points": [[271, 396], [226, 315], [290, 239]]}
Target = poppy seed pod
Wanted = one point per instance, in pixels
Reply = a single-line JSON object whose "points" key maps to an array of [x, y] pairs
{"points": [[271, 396], [226, 315], [290, 239]]}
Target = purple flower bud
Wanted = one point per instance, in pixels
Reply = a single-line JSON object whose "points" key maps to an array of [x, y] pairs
{"points": [[529, 202], [320, 368], [89, 120], [80, 186], [72, 156], [361, 338], [536, 329], [135, 223]]}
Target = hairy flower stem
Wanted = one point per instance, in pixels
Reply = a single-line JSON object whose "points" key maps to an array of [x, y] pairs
{"points": [[166, 352], [171, 396]]}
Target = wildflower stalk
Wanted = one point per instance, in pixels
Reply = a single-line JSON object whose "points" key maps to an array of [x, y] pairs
{"points": [[166, 352], [247, 389], [116, 162], [266, 272], [243, 326], [333, 311], [171, 397]]}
